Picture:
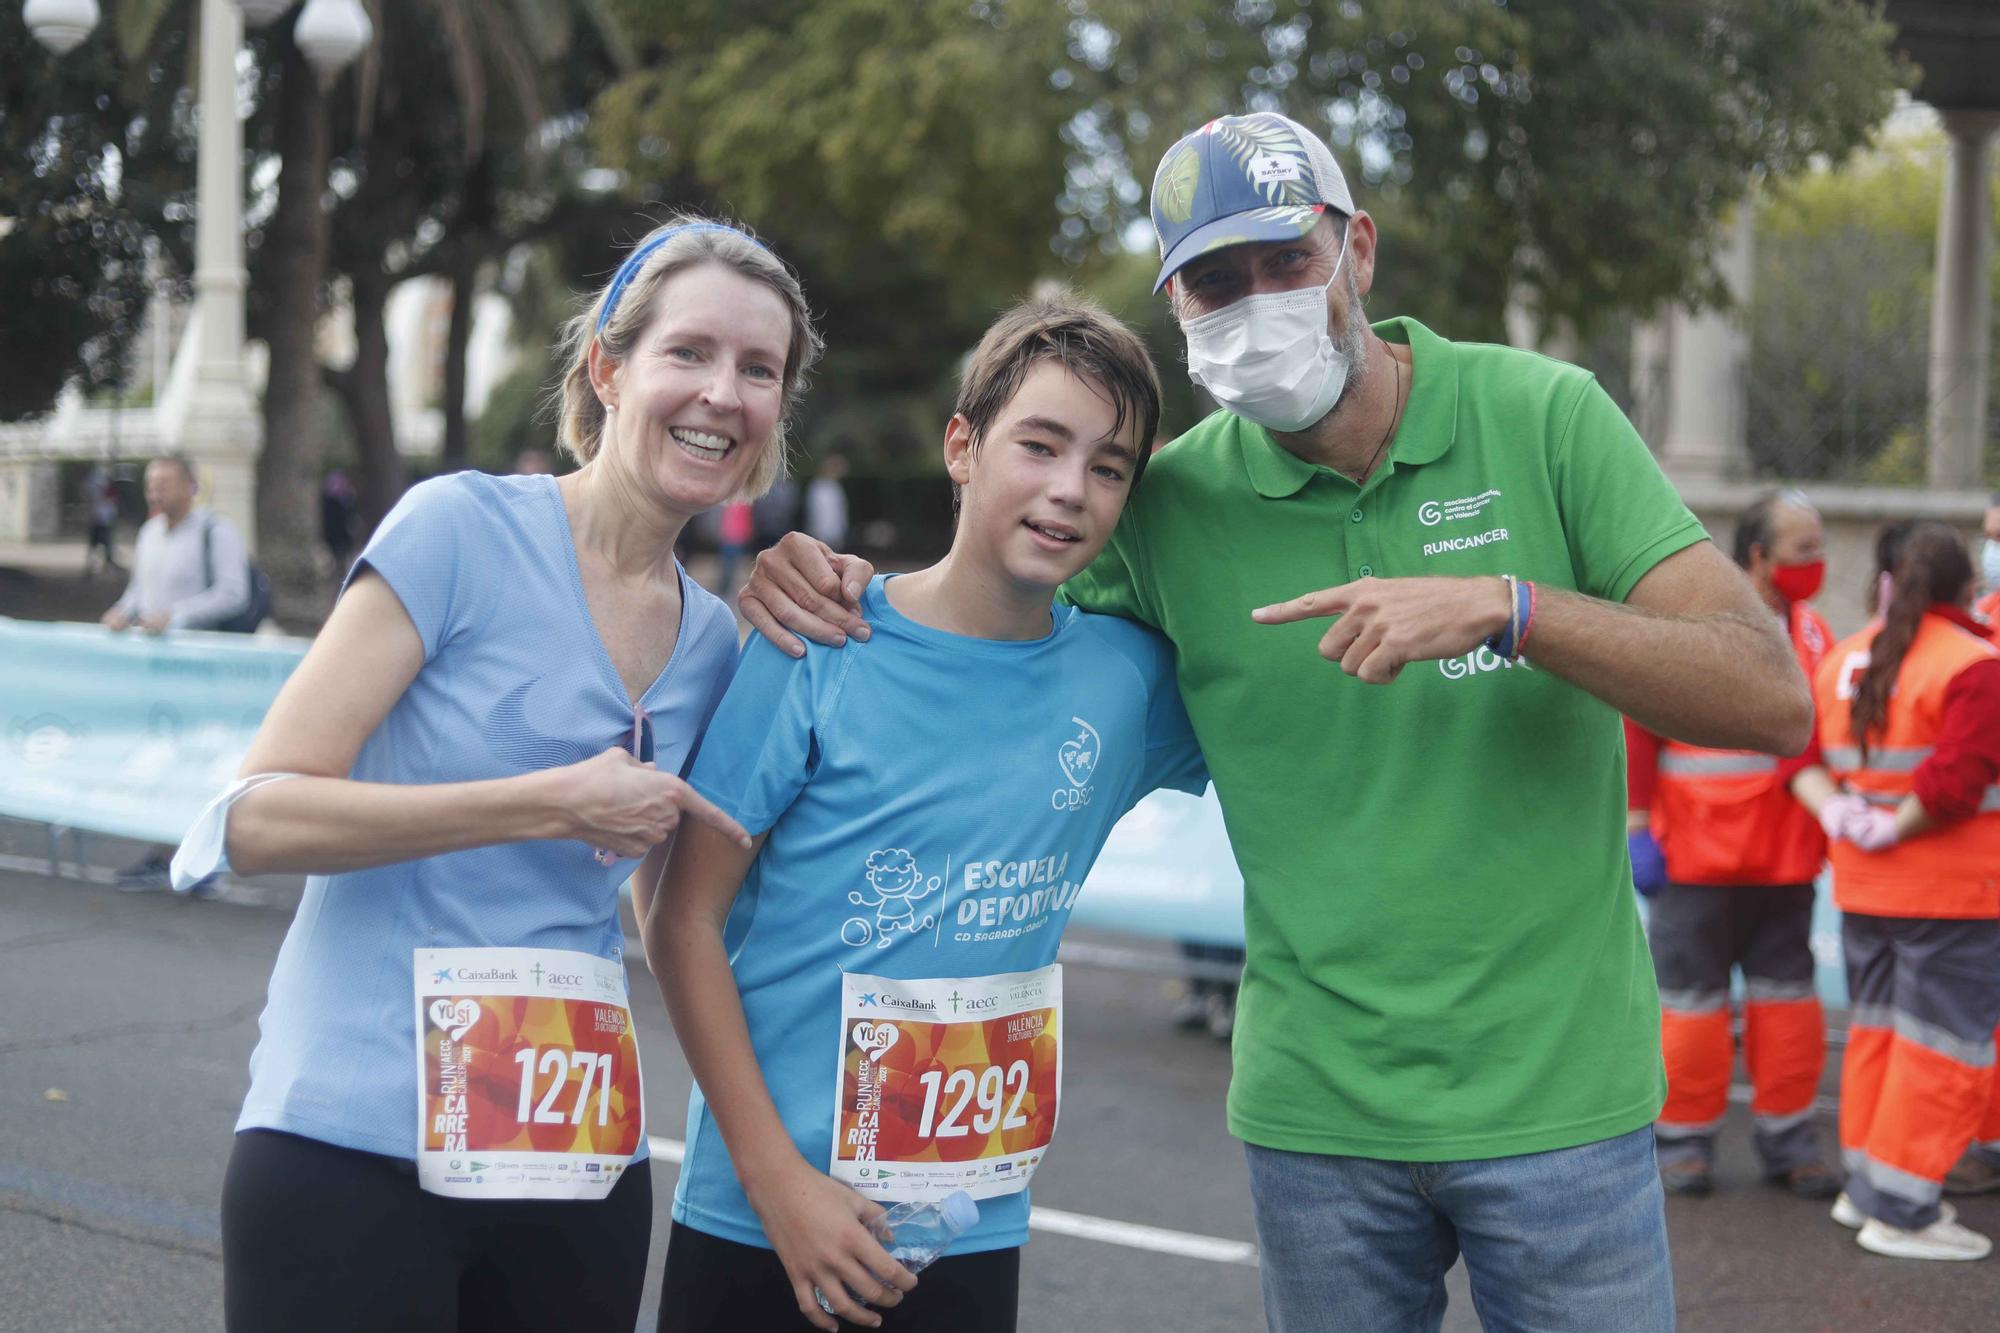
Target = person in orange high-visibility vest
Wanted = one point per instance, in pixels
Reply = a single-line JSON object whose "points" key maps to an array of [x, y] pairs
{"points": [[1978, 1172], [1909, 723], [1726, 845]]}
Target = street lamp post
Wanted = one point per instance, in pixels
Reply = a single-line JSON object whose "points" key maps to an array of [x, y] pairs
{"points": [[218, 424], [60, 25]]}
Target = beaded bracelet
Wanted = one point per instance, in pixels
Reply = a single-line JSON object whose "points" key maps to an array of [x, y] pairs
{"points": [[1527, 623], [1508, 643]]}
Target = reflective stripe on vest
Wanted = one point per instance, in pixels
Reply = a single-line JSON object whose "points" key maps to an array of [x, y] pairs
{"points": [[1894, 759], [1681, 763], [1988, 803], [1881, 759]]}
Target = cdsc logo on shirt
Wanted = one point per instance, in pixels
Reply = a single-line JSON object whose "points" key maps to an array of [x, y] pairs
{"points": [[1077, 758]]}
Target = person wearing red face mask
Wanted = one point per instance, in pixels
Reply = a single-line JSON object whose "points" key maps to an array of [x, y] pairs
{"points": [[1726, 844]]}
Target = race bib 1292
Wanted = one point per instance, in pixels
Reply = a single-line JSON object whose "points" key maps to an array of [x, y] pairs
{"points": [[946, 1083]]}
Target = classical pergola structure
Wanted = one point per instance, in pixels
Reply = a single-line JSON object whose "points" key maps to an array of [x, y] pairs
{"points": [[1956, 43], [1691, 365]]}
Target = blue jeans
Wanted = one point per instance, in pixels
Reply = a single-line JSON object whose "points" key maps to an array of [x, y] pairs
{"points": [[1554, 1242]]}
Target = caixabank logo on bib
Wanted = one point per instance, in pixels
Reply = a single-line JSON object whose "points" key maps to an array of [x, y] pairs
{"points": [[1077, 757]]}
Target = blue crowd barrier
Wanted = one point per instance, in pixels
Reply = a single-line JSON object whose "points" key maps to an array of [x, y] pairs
{"points": [[131, 734], [128, 733], [1167, 871]]}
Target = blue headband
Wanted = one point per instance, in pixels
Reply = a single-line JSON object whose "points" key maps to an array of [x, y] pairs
{"points": [[637, 260]]}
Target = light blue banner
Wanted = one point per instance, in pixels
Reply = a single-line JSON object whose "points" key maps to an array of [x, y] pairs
{"points": [[128, 733], [131, 734], [1167, 871]]}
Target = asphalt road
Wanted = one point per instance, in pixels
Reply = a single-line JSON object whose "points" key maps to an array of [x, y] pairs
{"points": [[128, 1020]]}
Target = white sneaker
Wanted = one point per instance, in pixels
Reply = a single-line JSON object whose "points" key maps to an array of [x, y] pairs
{"points": [[1850, 1216], [1942, 1239]]}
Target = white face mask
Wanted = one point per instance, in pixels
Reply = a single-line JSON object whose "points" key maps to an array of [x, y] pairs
{"points": [[1989, 563], [1270, 357]]}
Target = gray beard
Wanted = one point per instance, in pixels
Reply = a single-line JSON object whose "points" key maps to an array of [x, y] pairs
{"points": [[1353, 344]]}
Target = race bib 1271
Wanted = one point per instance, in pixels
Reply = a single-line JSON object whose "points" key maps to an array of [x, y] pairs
{"points": [[528, 1081]]}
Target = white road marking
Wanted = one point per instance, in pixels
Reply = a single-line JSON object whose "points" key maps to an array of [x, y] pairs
{"points": [[1135, 1236], [39, 865], [1082, 1226]]}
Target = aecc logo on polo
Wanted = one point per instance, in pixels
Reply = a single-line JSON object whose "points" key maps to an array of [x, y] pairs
{"points": [[1433, 512]]}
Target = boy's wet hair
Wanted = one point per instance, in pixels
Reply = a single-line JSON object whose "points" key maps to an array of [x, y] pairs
{"points": [[1086, 340]]}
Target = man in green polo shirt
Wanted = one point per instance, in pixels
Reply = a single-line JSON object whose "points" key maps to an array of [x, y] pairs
{"points": [[1448, 1031]]}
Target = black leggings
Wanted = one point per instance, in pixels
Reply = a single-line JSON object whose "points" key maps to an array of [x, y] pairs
{"points": [[714, 1284], [318, 1237]]}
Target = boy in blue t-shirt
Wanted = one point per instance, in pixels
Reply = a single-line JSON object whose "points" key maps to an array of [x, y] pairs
{"points": [[869, 996]]}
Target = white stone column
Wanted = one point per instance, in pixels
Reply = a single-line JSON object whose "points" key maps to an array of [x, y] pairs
{"points": [[1652, 356], [1961, 304], [219, 427], [1707, 363], [30, 500]]}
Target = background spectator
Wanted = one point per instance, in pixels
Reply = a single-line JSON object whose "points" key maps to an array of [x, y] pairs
{"points": [[189, 566], [100, 500], [336, 519], [189, 571], [826, 501], [775, 512]]}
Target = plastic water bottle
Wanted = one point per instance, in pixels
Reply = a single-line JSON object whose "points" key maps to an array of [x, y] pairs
{"points": [[920, 1232]]}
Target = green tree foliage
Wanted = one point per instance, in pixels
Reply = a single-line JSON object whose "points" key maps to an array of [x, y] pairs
{"points": [[925, 161], [1574, 155], [922, 159], [518, 416], [96, 170], [457, 139], [905, 154], [1840, 315]]}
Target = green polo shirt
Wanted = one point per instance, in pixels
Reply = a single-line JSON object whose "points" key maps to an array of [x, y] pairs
{"points": [[1445, 958]]}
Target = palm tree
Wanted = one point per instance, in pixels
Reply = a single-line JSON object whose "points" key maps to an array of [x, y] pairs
{"points": [[451, 173]]}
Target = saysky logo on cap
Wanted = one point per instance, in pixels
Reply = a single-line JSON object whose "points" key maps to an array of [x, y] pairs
{"points": [[1270, 169], [1260, 177]]}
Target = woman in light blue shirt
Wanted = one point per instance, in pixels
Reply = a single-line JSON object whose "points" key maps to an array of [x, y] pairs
{"points": [[443, 1128]]}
